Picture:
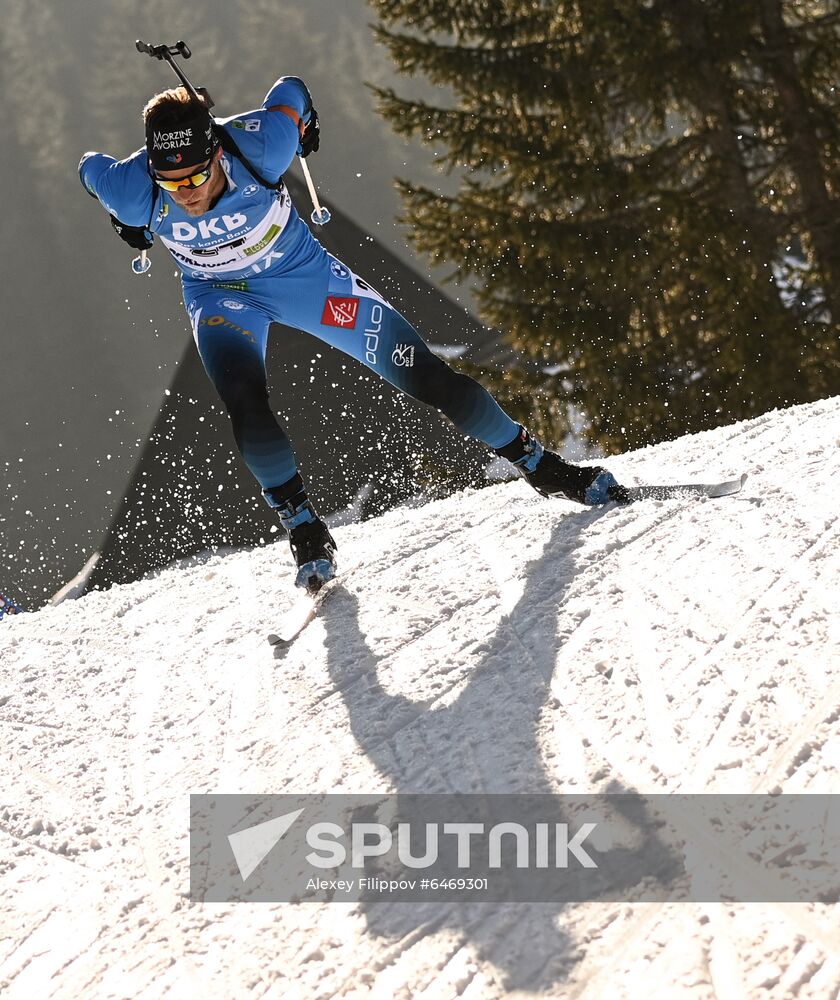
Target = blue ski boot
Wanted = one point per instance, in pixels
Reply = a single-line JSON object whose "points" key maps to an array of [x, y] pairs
{"points": [[313, 547], [550, 475]]}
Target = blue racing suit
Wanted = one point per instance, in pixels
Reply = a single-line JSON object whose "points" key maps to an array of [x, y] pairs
{"points": [[250, 261]]}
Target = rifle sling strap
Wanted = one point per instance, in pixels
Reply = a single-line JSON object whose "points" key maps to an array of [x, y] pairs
{"points": [[228, 144]]}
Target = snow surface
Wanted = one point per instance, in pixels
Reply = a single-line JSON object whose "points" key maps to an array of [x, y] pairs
{"points": [[490, 641]]}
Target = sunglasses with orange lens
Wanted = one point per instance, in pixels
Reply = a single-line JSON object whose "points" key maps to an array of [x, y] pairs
{"points": [[194, 180]]}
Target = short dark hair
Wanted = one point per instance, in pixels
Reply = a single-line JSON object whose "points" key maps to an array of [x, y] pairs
{"points": [[172, 107]]}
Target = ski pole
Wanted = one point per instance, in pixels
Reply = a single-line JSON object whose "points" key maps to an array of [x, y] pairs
{"points": [[141, 264], [320, 216]]}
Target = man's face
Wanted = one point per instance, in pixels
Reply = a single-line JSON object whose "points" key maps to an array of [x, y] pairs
{"points": [[196, 200]]}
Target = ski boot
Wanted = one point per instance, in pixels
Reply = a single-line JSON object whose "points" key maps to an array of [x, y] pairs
{"points": [[313, 547], [551, 476]]}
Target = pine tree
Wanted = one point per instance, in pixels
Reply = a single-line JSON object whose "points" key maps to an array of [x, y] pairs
{"points": [[648, 197]]}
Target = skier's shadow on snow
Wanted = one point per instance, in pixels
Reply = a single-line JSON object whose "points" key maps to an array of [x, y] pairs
{"points": [[486, 741]]}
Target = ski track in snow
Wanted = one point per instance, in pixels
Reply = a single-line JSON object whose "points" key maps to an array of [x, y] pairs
{"points": [[492, 641]]}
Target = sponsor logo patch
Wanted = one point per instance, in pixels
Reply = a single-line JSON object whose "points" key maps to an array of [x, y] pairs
{"points": [[183, 231], [263, 243], [372, 334], [233, 286], [232, 304], [248, 125], [340, 311], [250, 190], [227, 324], [403, 356], [339, 270], [172, 140]]}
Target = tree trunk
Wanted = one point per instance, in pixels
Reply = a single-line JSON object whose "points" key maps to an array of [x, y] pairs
{"points": [[820, 213], [712, 97]]}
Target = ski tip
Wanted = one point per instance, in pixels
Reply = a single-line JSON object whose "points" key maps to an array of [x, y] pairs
{"points": [[729, 488], [740, 482], [300, 614], [713, 491]]}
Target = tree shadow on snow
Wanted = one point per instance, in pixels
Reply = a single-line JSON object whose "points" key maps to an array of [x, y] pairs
{"points": [[485, 741]]}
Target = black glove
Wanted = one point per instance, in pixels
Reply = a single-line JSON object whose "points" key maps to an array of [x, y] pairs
{"points": [[135, 236], [310, 140]]}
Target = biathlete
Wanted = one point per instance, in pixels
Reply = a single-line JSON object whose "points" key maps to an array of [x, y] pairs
{"points": [[211, 190]]}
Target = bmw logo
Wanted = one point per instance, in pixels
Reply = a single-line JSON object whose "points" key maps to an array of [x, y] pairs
{"points": [[232, 304], [250, 190], [339, 270]]}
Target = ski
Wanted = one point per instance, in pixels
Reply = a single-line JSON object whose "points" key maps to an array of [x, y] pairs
{"points": [[306, 607], [300, 614], [630, 494]]}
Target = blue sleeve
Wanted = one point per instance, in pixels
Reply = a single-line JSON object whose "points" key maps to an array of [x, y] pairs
{"points": [[280, 136], [124, 187], [293, 92]]}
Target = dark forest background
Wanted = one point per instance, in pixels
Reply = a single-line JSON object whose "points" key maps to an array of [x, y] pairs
{"points": [[648, 199]]}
